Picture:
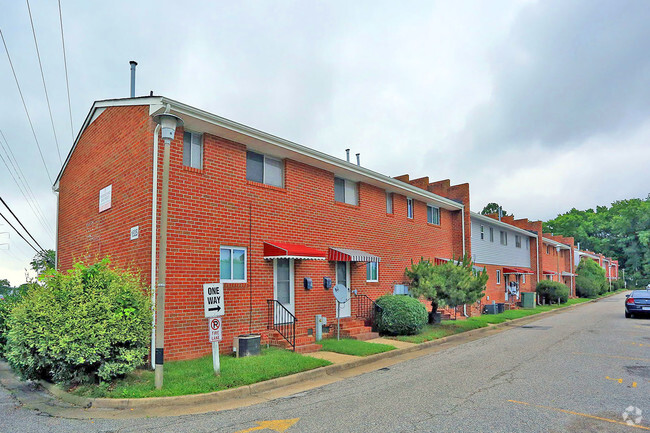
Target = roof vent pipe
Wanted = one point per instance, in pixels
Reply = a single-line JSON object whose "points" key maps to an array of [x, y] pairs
{"points": [[133, 65], [347, 154], [358, 162]]}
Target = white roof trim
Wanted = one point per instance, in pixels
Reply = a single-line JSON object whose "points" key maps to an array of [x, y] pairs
{"points": [[556, 243], [498, 223]]}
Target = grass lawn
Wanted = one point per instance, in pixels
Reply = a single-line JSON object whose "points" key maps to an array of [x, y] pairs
{"points": [[451, 327], [354, 347], [196, 376]]}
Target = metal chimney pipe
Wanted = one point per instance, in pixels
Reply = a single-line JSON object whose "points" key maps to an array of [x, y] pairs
{"points": [[358, 162], [133, 65], [347, 154]]}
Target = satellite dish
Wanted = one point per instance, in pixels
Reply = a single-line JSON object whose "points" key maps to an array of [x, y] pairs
{"points": [[341, 293]]}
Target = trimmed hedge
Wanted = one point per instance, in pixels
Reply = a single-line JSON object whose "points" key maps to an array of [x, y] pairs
{"points": [[591, 280], [87, 325], [552, 290], [401, 315]]}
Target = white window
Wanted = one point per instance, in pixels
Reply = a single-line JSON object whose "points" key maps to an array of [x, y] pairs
{"points": [[345, 191], [548, 249], [409, 208], [503, 237], [517, 241], [389, 202], [372, 271], [527, 243], [482, 233], [523, 279], [193, 150], [264, 169], [433, 215], [232, 264], [498, 276], [491, 234]]}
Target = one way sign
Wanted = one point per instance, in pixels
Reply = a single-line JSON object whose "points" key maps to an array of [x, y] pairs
{"points": [[213, 299]]}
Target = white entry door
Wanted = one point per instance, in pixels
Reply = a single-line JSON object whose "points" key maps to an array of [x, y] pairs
{"points": [[283, 289], [343, 277]]}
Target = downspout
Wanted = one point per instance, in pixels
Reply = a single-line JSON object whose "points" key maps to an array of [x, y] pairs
{"points": [[462, 213], [573, 286], [154, 232], [56, 234]]}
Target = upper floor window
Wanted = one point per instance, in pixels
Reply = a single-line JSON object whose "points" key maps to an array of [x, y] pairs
{"points": [[372, 271], [548, 249], [389, 202], [503, 237], [264, 169], [433, 215], [232, 264], [409, 208], [193, 150], [491, 234], [498, 276], [482, 233], [527, 243], [517, 241], [345, 191]]}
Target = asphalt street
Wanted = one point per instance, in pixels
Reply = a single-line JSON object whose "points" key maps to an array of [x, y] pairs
{"points": [[577, 371]]}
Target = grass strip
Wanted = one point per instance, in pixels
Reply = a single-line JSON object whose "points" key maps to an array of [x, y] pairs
{"points": [[354, 347], [196, 376]]}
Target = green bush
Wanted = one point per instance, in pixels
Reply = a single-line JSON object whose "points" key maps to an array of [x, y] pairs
{"points": [[550, 291], [401, 315], [591, 280], [89, 324], [11, 298], [618, 284]]}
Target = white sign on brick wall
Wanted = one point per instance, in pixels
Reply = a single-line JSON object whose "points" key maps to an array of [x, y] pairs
{"points": [[135, 232], [105, 198]]}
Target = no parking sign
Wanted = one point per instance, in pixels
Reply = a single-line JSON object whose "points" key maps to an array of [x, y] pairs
{"points": [[215, 329]]}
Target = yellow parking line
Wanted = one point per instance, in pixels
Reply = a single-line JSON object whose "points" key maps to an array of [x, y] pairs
{"points": [[581, 414], [611, 356]]}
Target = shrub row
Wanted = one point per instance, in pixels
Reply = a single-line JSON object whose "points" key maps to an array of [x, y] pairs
{"points": [[551, 291]]}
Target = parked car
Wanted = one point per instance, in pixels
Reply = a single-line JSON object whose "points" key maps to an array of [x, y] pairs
{"points": [[637, 302]]}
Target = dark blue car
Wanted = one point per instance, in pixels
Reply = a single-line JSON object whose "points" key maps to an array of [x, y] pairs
{"points": [[637, 303]]}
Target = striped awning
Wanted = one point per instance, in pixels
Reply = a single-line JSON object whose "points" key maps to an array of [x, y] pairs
{"points": [[549, 273], [568, 274], [520, 271], [283, 250], [349, 255]]}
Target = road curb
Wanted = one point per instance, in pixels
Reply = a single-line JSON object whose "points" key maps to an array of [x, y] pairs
{"points": [[268, 385]]}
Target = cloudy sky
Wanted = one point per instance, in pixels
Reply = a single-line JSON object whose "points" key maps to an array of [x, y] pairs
{"points": [[541, 106]]}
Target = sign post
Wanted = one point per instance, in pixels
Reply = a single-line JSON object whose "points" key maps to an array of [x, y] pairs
{"points": [[213, 305], [214, 328]]}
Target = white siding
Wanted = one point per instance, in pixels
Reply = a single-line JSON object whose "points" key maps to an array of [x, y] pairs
{"points": [[493, 253]]}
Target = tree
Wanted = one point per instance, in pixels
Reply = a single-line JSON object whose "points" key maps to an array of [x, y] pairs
{"points": [[493, 208], [5, 287], [43, 261], [451, 283], [591, 280]]}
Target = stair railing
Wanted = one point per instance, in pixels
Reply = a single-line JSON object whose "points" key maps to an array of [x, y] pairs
{"points": [[281, 320]]}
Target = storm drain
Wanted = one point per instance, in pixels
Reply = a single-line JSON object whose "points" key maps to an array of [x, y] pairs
{"points": [[539, 327]]}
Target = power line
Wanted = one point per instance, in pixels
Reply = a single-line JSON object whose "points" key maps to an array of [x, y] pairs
{"points": [[11, 225], [25, 106], [47, 98], [65, 65], [27, 194], [19, 222]]}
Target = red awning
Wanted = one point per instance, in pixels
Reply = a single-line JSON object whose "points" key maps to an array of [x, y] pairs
{"points": [[282, 250], [549, 273], [348, 255], [521, 271]]}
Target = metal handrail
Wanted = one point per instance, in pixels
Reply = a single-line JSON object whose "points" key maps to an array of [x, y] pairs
{"points": [[366, 308], [285, 324]]}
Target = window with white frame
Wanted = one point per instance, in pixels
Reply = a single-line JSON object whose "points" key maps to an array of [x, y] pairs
{"points": [[527, 243], [193, 150], [372, 272], [523, 279], [498, 276], [517, 241], [433, 215], [389, 202], [409, 208], [482, 233], [232, 264], [503, 236], [548, 249], [264, 169], [491, 234], [345, 191]]}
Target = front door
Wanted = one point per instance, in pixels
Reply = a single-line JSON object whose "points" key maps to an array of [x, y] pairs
{"points": [[283, 289], [343, 277]]}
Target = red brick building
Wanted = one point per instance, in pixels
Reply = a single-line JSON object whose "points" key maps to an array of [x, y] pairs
{"points": [[258, 213]]}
